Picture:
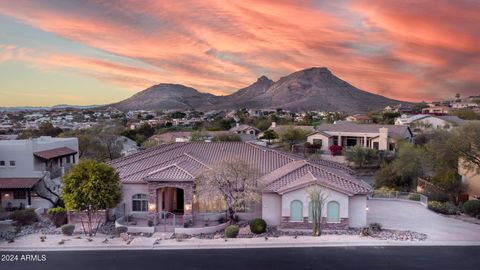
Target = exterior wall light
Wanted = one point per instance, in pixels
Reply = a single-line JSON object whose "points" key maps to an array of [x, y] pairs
{"points": [[151, 206]]}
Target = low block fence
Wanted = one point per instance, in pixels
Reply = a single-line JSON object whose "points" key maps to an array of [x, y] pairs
{"points": [[400, 196]]}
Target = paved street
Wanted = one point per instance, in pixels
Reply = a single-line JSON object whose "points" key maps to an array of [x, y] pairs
{"points": [[437, 258], [412, 216]]}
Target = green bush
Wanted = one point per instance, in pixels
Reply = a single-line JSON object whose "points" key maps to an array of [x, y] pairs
{"points": [[56, 211], [385, 192], [24, 217], [121, 229], [414, 197], [232, 231], [438, 197], [258, 226], [68, 229], [446, 208], [472, 208]]}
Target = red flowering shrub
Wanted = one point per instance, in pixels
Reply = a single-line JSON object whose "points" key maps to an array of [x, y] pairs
{"points": [[336, 150]]}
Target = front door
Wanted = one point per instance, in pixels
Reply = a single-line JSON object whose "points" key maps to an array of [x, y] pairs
{"points": [[179, 199]]}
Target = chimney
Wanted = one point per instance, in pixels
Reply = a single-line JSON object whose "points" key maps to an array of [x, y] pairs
{"points": [[383, 138], [274, 125]]}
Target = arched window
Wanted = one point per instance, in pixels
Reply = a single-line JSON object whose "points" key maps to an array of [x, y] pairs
{"points": [[296, 211], [333, 212], [139, 203]]}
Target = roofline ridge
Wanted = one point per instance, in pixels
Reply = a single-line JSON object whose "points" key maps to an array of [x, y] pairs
{"points": [[196, 159], [148, 156]]}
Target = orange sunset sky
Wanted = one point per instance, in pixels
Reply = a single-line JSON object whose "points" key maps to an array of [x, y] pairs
{"points": [[97, 52]]}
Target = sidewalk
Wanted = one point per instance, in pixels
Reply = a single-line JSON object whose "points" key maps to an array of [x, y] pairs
{"points": [[33, 243]]}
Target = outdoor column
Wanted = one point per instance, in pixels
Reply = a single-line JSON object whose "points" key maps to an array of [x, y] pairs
{"points": [[365, 141], [339, 140], [188, 204], [152, 202]]}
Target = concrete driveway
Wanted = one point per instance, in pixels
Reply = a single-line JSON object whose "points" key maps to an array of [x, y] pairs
{"points": [[405, 215]]}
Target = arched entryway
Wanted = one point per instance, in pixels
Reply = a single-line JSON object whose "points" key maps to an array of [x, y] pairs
{"points": [[171, 199]]}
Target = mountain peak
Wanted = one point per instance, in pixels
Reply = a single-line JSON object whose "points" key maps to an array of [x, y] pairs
{"points": [[263, 78]]}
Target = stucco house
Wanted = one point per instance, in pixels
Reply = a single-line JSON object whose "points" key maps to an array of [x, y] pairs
{"points": [[161, 179], [421, 122], [347, 134], [244, 129], [24, 163], [471, 180]]}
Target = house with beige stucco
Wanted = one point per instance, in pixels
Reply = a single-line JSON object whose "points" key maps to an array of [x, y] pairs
{"points": [[470, 180], [347, 134], [161, 179]]}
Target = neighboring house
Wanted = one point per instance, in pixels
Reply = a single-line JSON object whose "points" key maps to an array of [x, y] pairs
{"points": [[436, 110], [427, 121], [399, 108], [244, 129], [162, 179], [23, 163], [464, 105], [186, 136], [281, 128], [359, 118], [471, 180], [345, 134]]}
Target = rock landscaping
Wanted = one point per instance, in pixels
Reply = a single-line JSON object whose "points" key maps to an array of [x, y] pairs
{"points": [[274, 232]]}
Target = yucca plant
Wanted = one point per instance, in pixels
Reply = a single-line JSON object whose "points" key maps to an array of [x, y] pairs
{"points": [[317, 201]]}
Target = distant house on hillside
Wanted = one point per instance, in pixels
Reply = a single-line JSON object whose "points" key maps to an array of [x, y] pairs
{"points": [[398, 109], [359, 118], [345, 135], [426, 121], [436, 110], [244, 129]]}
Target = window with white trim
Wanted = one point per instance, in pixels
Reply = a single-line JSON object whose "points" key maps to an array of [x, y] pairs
{"points": [[139, 203]]}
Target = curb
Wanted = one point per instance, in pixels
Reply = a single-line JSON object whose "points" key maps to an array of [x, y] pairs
{"points": [[245, 245]]}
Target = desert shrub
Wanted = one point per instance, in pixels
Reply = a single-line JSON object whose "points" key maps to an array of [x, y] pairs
{"points": [[56, 211], [366, 231], [414, 197], [222, 219], [438, 197], [472, 208], [376, 227], [58, 215], [232, 231], [180, 237], [68, 229], [24, 217], [385, 192], [121, 229], [258, 226], [446, 208], [150, 223]]}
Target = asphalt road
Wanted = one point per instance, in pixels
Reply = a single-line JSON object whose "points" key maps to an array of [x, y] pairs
{"points": [[385, 258]]}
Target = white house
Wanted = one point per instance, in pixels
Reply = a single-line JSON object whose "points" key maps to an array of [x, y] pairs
{"points": [[24, 163], [427, 121], [347, 134], [161, 179]]}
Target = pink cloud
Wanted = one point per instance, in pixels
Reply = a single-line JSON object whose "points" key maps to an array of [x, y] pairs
{"points": [[387, 47]]}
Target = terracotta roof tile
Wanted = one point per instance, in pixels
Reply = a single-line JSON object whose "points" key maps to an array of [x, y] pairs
{"points": [[10, 183], [55, 152], [185, 161]]}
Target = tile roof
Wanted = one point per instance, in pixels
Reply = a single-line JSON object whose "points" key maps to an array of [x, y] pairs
{"points": [[55, 152], [186, 161], [397, 130], [8, 183]]}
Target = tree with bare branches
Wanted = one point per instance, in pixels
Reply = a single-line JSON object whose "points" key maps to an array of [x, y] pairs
{"points": [[233, 179]]}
